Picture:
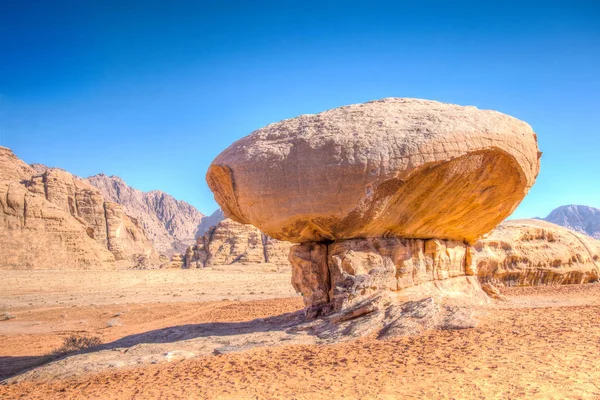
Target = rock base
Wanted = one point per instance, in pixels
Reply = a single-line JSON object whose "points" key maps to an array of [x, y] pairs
{"points": [[338, 276], [447, 305]]}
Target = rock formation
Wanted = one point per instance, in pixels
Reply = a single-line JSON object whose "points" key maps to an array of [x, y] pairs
{"points": [[582, 219], [534, 252], [54, 220], [385, 198], [230, 242], [172, 225], [383, 168]]}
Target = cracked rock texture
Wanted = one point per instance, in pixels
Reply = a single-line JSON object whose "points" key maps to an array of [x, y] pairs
{"points": [[337, 276], [393, 167], [230, 242], [535, 252], [51, 219]]}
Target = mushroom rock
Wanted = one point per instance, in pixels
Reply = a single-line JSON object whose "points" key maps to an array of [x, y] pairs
{"points": [[381, 196]]}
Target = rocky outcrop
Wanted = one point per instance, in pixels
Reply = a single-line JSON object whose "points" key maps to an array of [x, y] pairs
{"points": [[386, 199], [172, 225], [37, 234], [52, 219], [12, 168], [394, 167], [534, 252], [582, 219], [337, 276], [230, 242]]}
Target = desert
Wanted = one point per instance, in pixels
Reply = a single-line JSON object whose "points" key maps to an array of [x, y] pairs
{"points": [[382, 314], [541, 342], [299, 200]]}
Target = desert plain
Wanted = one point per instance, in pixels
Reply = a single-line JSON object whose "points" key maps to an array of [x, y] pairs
{"points": [[541, 342]]}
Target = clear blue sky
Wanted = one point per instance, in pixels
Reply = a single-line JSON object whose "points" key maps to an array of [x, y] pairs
{"points": [[152, 91]]}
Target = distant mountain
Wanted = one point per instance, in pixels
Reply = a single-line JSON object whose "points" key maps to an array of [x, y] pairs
{"points": [[210, 221], [172, 225], [582, 219]]}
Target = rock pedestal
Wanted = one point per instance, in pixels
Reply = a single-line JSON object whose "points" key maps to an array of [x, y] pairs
{"points": [[337, 276], [365, 189]]}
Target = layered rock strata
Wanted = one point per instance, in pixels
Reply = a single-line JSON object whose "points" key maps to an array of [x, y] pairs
{"points": [[51, 219], [534, 252], [385, 199], [337, 276], [230, 242]]}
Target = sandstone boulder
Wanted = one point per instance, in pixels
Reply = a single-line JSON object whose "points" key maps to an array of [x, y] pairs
{"points": [[534, 252], [393, 167]]}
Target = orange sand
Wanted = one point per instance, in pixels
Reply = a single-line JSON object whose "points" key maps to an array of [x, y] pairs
{"points": [[542, 343]]}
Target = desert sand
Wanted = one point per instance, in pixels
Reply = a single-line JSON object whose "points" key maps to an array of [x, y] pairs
{"points": [[542, 342]]}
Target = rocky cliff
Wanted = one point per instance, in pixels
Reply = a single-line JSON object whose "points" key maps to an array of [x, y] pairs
{"points": [[534, 252], [230, 242], [51, 219], [172, 225], [582, 219]]}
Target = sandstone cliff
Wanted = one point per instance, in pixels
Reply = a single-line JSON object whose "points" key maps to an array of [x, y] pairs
{"points": [[172, 225], [51, 219], [582, 219], [230, 242], [533, 252]]}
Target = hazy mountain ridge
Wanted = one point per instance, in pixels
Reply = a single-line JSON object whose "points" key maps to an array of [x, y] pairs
{"points": [[210, 221], [172, 225], [582, 219]]}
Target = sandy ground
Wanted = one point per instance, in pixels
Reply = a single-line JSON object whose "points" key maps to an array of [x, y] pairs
{"points": [[541, 343]]}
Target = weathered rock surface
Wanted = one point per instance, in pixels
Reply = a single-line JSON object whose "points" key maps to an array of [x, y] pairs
{"points": [[13, 168], [385, 198], [582, 219], [54, 220], [231, 242], [534, 252], [337, 276], [37, 234], [172, 225], [393, 167]]}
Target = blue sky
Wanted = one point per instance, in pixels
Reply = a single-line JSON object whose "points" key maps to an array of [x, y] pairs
{"points": [[152, 91]]}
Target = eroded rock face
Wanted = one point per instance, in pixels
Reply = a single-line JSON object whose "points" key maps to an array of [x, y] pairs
{"points": [[230, 242], [337, 276], [394, 167], [52, 219], [170, 224], [37, 234], [534, 252]]}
